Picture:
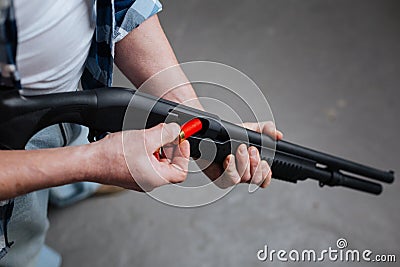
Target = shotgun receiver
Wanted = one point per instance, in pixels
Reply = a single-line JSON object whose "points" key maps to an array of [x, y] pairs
{"points": [[103, 110]]}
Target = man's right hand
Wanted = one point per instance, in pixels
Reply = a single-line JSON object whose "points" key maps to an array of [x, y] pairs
{"points": [[129, 161]]}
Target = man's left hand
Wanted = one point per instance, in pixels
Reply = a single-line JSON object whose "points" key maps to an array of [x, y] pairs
{"points": [[246, 165]]}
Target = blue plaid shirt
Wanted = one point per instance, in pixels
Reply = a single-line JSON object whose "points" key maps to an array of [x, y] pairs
{"points": [[114, 20]]}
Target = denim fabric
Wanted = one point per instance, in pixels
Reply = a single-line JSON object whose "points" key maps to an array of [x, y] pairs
{"points": [[28, 224]]}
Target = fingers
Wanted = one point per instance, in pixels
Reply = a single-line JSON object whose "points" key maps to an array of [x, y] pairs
{"points": [[267, 174], [254, 126], [160, 135], [231, 176], [174, 168], [260, 172], [243, 164], [279, 135], [249, 168], [267, 127], [176, 171], [181, 156], [255, 166]]}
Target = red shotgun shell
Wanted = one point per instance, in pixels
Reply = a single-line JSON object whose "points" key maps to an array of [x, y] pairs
{"points": [[190, 128]]}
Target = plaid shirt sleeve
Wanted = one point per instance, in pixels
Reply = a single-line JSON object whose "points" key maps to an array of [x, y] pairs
{"points": [[129, 15], [114, 20]]}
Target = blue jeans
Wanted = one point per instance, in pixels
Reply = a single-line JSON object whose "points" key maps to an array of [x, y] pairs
{"points": [[28, 224]]}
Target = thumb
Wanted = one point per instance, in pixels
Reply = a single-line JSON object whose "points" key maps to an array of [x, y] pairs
{"points": [[161, 135]]}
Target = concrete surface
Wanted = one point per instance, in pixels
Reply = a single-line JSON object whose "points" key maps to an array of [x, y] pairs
{"points": [[331, 72]]}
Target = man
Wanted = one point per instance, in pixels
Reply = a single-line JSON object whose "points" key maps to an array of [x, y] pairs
{"points": [[60, 42]]}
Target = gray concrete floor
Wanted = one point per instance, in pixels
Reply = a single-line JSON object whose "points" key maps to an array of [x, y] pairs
{"points": [[331, 72]]}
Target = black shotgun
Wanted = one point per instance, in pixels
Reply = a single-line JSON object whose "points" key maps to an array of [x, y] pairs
{"points": [[103, 110]]}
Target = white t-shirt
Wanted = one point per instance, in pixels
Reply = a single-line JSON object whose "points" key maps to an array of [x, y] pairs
{"points": [[54, 38]]}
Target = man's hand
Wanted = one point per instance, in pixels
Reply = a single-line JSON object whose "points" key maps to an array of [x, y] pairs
{"points": [[130, 161], [246, 165]]}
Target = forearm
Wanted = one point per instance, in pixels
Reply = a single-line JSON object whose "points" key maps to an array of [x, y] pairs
{"points": [[106, 161], [26, 171], [146, 51]]}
